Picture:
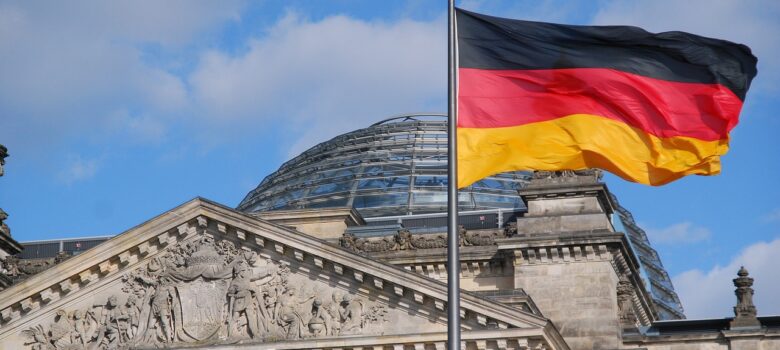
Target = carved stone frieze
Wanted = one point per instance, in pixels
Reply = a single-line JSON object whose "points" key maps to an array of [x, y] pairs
{"points": [[405, 240], [625, 296], [20, 269], [567, 174], [208, 291]]}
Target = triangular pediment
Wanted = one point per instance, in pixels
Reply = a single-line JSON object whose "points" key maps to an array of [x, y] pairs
{"points": [[203, 273]]}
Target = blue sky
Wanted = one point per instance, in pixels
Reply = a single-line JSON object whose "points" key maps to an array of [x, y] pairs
{"points": [[114, 112]]}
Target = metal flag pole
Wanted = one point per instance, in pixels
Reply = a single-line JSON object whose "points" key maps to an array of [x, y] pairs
{"points": [[453, 243]]}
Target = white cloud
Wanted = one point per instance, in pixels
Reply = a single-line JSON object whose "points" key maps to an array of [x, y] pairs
{"points": [[78, 169], [710, 294], [680, 233], [68, 65], [322, 78], [753, 23]]}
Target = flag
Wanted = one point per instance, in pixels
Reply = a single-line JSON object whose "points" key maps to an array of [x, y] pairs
{"points": [[650, 108]]}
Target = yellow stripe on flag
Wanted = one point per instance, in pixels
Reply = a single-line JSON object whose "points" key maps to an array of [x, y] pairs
{"points": [[582, 141]]}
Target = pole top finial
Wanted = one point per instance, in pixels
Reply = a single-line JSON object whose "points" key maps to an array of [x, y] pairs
{"points": [[743, 272]]}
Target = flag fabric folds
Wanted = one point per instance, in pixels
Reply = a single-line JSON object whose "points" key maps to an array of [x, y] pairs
{"points": [[650, 108]]}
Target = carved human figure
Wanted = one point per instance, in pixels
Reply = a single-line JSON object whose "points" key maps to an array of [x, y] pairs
{"points": [[320, 319], [289, 317], [82, 327], [404, 239], [129, 317], [332, 308], [115, 323], [61, 330], [241, 302], [350, 315], [162, 310]]}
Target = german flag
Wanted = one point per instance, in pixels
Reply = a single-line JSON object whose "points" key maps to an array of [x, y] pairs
{"points": [[650, 108]]}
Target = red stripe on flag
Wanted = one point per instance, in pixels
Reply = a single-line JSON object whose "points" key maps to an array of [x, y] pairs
{"points": [[504, 98]]}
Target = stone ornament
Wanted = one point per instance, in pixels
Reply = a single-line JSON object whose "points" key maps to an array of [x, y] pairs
{"points": [[625, 295], [405, 240], [745, 311], [208, 291], [3, 155], [541, 174]]}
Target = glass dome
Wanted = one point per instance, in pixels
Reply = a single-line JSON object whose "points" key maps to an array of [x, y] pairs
{"points": [[397, 166]]}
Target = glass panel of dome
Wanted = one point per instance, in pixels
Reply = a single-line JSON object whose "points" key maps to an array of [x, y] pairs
{"points": [[399, 157], [430, 181], [338, 173], [491, 201], [381, 200], [334, 202], [426, 198], [389, 182], [495, 184], [332, 187], [431, 165]]}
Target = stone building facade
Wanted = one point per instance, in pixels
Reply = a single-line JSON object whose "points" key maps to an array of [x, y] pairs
{"points": [[559, 275]]}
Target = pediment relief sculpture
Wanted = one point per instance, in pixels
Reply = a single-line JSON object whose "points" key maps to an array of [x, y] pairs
{"points": [[209, 291], [205, 274]]}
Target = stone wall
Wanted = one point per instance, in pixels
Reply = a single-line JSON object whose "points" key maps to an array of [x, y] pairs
{"points": [[579, 297]]}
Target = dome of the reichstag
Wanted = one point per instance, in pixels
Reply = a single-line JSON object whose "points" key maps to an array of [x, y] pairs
{"points": [[397, 166]]}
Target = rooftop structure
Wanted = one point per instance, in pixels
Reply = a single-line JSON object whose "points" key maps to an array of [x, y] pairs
{"points": [[397, 166], [394, 172]]}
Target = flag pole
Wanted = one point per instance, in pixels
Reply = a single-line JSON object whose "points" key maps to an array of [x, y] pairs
{"points": [[453, 242]]}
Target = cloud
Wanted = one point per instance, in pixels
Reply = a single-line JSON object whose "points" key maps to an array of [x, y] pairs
{"points": [[772, 216], [321, 78], [680, 233], [710, 294], [753, 23], [78, 169], [67, 67]]}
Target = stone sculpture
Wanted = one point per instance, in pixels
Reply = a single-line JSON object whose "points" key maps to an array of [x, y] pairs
{"points": [[4, 229], [745, 311], [206, 291], [3, 155], [625, 295]]}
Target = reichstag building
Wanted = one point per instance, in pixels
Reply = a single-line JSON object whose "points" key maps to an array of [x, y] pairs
{"points": [[344, 247]]}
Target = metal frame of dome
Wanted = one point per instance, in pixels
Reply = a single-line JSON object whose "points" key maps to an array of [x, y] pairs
{"points": [[397, 166]]}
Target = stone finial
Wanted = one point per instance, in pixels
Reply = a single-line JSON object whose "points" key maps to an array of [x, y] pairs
{"points": [[744, 311], [3, 155]]}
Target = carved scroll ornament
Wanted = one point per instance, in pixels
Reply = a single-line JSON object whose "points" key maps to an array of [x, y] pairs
{"points": [[405, 240]]}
